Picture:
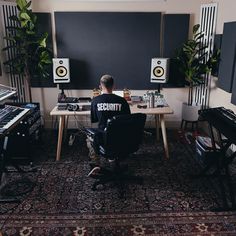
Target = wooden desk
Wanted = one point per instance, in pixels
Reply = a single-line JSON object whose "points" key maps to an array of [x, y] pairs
{"points": [[157, 112]]}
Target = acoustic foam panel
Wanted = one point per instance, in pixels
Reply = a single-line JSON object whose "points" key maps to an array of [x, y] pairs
{"points": [[118, 43], [233, 96], [217, 46], [175, 33], [227, 58], [45, 25]]}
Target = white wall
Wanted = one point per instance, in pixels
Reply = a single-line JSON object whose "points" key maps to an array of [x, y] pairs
{"points": [[226, 12], [48, 96]]}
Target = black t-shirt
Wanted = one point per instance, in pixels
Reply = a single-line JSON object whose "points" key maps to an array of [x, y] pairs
{"points": [[105, 106]]}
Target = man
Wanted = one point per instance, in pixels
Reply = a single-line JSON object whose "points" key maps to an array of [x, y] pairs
{"points": [[107, 105], [104, 107]]}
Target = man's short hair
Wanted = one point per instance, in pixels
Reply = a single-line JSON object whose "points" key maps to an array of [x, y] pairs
{"points": [[107, 81]]}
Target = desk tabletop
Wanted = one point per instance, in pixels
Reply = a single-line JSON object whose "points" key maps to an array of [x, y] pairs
{"points": [[133, 108], [151, 111]]}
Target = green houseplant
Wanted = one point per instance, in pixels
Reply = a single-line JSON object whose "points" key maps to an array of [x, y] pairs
{"points": [[194, 62], [32, 57]]}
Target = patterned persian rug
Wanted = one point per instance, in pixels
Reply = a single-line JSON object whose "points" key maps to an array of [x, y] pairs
{"points": [[168, 202]]}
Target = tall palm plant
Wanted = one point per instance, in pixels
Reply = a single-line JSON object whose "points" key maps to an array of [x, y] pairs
{"points": [[32, 57], [192, 62]]}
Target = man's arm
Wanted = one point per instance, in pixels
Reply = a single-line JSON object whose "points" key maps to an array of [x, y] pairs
{"points": [[126, 107], [94, 117]]}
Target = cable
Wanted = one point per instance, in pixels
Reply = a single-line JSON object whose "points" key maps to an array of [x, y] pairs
{"points": [[80, 129], [21, 202], [78, 126], [25, 179]]}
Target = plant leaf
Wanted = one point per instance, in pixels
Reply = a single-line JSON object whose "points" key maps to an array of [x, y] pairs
{"points": [[28, 4], [24, 16], [32, 55], [21, 3], [196, 28]]}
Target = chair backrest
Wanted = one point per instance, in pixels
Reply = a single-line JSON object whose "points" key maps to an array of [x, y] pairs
{"points": [[124, 134]]}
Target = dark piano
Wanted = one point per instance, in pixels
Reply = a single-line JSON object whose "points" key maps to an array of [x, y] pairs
{"points": [[223, 121]]}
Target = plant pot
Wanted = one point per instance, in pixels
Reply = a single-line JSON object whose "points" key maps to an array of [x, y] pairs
{"points": [[190, 112]]}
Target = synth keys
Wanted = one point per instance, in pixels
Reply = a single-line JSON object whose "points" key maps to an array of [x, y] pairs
{"points": [[10, 115]]}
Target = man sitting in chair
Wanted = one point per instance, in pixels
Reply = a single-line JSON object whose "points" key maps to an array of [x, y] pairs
{"points": [[104, 107]]}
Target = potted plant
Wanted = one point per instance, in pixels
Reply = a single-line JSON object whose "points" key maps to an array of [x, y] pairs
{"points": [[192, 62], [32, 57]]}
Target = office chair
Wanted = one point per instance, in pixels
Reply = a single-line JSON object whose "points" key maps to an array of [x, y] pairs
{"points": [[122, 137]]}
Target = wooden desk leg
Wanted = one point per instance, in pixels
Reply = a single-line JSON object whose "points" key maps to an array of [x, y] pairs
{"points": [[163, 130], [157, 121], [60, 135], [66, 127]]}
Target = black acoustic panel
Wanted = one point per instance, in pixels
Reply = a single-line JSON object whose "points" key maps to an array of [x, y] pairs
{"points": [[45, 25], [233, 96], [175, 33], [227, 58], [217, 41], [118, 43], [217, 46]]}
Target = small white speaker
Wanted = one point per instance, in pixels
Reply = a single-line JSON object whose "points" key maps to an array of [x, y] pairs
{"points": [[61, 70], [159, 70]]}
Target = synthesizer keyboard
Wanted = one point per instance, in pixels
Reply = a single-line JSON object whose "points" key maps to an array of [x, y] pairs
{"points": [[9, 116], [227, 114], [6, 93], [222, 119]]}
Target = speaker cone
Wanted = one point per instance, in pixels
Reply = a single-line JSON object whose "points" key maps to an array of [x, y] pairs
{"points": [[158, 71], [61, 71]]}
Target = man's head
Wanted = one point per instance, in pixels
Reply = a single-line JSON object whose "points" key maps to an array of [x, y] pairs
{"points": [[107, 83]]}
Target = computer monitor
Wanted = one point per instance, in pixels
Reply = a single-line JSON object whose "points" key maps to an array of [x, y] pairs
{"points": [[119, 93]]}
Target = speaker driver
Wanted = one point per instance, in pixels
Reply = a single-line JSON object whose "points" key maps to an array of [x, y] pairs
{"points": [[61, 71], [158, 71]]}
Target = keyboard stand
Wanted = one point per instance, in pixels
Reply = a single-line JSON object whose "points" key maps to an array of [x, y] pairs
{"points": [[222, 164], [2, 170]]}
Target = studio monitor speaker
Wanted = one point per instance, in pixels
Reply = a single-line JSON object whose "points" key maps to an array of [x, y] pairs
{"points": [[159, 70], [61, 70]]}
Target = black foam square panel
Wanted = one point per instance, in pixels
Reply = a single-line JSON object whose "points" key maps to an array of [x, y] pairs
{"points": [[227, 58]]}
